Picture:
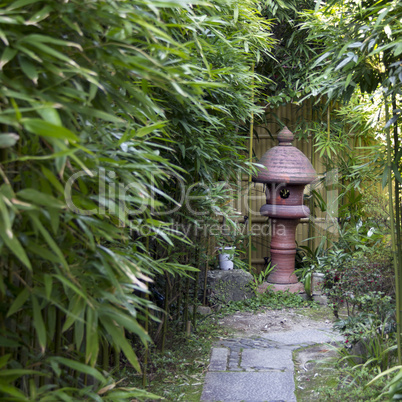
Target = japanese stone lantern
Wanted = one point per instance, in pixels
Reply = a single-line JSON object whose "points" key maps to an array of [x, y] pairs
{"points": [[287, 172]]}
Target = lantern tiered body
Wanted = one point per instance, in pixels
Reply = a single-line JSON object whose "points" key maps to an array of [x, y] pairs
{"points": [[287, 173]]}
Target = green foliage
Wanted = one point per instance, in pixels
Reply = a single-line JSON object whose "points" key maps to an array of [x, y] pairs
{"points": [[261, 277], [269, 300], [348, 384], [362, 283], [178, 373], [392, 386], [358, 42], [292, 51], [103, 106]]}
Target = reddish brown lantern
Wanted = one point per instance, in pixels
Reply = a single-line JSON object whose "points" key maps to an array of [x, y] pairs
{"points": [[287, 172]]}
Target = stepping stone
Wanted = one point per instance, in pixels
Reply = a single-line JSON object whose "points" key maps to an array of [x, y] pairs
{"points": [[219, 359], [249, 386], [266, 366], [304, 336], [271, 359]]}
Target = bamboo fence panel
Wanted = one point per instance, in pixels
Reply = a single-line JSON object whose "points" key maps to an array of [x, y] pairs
{"points": [[265, 138]]}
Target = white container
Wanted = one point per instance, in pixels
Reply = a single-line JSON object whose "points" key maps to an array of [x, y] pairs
{"points": [[226, 259]]}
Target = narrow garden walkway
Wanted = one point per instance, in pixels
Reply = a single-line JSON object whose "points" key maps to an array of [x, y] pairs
{"points": [[259, 368]]}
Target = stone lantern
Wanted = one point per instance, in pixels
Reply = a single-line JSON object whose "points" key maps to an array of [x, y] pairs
{"points": [[287, 172]]}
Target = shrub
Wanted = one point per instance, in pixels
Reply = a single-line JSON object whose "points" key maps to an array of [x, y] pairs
{"points": [[361, 284]]}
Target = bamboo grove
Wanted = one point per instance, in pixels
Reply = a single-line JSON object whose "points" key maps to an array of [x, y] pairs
{"points": [[110, 110], [361, 47]]}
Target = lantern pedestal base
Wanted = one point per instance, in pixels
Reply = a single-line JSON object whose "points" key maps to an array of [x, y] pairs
{"points": [[283, 287]]}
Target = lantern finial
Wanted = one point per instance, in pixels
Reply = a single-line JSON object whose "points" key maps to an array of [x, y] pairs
{"points": [[285, 137]]}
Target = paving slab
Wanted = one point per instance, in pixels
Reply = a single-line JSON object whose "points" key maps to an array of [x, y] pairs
{"points": [[304, 336], [268, 359], [249, 387], [258, 369], [219, 359]]}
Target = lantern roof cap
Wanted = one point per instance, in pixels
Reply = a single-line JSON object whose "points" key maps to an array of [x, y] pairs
{"points": [[285, 163]]}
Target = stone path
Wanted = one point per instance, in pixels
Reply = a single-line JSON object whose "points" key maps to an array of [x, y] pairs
{"points": [[258, 369]]}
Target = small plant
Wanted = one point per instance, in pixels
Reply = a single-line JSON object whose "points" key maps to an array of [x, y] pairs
{"points": [[269, 300], [393, 387], [369, 342], [260, 278], [347, 384]]}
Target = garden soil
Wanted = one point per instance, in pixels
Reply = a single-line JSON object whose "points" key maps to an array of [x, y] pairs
{"points": [[273, 321], [307, 359]]}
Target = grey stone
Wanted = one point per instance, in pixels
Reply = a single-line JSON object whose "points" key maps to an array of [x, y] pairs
{"points": [[320, 299], [234, 285], [317, 283], [267, 359], [304, 336], [219, 359], [249, 386], [203, 310]]}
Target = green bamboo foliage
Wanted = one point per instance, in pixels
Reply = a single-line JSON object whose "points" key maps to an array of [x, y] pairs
{"points": [[104, 105], [393, 239], [362, 49]]}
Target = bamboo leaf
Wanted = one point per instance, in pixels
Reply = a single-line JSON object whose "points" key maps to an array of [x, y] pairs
{"points": [[321, 58], [39, 323], [49, 114], [21, 3], [79, 367], [74, 312], [49, 240], [79, 330], [71, 285], [13, 391], [149, 129], [4, 359], [8, 140], [121, 342], [14, 245], [8, 54], [391, 121], [39, 198], [45, 129], [39, 16], [19, 301], [92, 338], [397, 172], [343, 63], [29, 70], [52, 179], [16, 373]]}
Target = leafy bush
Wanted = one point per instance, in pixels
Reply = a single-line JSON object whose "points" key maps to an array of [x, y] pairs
{"points": [[103, 105], [362, 284]]}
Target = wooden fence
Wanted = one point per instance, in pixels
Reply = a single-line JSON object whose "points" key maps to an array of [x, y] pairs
{"points": [[265, 138]]}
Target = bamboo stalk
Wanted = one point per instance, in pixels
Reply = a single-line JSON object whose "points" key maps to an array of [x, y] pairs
{"points": [[311, 227], [186, 302], [328, 136], [204, 299], [146, 327], [398, 223], [393, 240], [179, 299], [165, 322], [145, 365], [197, 278], [58, 334], [116, 359], [250, 176]]}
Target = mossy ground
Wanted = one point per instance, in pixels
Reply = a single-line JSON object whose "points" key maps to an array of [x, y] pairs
{"points": [[178, 373]]}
